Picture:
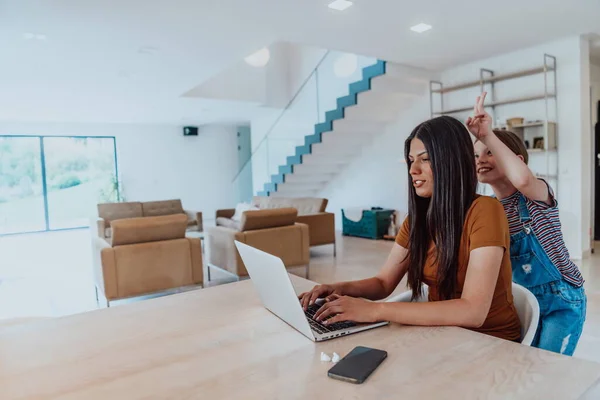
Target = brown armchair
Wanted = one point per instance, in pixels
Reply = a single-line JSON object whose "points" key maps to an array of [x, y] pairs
{"points": [[273, 231], [146, 255]]}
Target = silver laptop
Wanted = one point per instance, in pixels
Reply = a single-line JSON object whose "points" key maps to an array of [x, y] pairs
{"points": [[277, 294]]}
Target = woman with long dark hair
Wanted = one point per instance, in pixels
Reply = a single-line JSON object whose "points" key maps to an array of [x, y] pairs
{"points": [[453, 240]]}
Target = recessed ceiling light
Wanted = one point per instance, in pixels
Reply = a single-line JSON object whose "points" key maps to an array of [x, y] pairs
{"points": [[420, 28], [340, 5], [32, 36]]}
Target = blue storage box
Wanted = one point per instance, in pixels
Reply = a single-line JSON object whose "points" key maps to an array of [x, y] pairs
{"points": [[374, 223]]}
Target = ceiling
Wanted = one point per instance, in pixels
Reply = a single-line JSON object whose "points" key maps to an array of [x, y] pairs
{"points": [[131, 60]]}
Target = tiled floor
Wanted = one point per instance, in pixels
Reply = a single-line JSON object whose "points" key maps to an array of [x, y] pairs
{"points": [[49, 275]]}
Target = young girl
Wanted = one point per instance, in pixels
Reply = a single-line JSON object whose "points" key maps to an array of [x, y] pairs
{"points": [[453, 240], [540, 259]]}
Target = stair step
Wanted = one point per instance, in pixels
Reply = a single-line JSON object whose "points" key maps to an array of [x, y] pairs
{"points": [[346, 101], [360, 86], [332, 115], [379, 68]]}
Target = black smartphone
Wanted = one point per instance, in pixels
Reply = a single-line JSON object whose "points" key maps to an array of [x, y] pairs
{"points": [[357, 365]]}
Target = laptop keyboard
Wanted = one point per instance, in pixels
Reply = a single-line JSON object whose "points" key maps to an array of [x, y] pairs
{"points": [[319, 327]]}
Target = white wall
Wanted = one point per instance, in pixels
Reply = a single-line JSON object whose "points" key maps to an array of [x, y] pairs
{"points": [[378, 178], [158, 162]]}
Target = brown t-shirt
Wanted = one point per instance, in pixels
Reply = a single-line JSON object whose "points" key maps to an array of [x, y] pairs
{"points": [[485, 226]]}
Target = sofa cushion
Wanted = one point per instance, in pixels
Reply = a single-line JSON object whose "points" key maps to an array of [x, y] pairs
{"points": [[114, 211], [148, 229], [304, 205], [163, 207], [228, 223]]}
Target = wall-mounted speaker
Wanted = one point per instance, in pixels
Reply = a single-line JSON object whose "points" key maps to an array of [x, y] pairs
{"points": [[190, 131]]}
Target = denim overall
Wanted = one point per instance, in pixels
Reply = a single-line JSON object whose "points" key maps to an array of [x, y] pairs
{"points": [[562, 305]]}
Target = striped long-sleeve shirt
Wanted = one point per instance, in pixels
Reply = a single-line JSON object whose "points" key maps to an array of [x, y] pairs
{"points": [[545, 223]]}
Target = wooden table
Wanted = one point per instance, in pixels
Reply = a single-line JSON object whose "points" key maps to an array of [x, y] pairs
{"points": [[221, 343]]}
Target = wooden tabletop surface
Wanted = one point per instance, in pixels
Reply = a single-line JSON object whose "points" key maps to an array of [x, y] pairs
{"points": [[221, 343]]}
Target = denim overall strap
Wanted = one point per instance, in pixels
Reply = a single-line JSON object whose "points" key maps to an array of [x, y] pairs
{"points": [[530, 264]]}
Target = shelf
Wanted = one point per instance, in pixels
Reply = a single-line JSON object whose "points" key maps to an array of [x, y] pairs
{"points": [[497, 78], [523, 126], [540, 150], [530, 124], [498, 103]]}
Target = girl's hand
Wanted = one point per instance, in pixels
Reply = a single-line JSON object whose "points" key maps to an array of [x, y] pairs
{"points": [[480, 124], [345, 308]]}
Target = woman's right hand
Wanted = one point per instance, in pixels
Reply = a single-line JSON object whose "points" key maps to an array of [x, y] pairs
{"points": [[319, 291]]}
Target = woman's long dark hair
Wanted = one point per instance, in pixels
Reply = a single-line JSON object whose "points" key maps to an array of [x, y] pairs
{"points": [[441, 218]]}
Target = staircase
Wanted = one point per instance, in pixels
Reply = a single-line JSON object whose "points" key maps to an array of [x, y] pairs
{"points": [[372, 103]]}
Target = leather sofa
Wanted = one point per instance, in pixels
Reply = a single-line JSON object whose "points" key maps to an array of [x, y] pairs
{"points": [[108, 212]]}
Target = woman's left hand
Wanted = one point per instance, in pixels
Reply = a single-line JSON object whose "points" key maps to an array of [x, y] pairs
{"points": [[346, 308]]}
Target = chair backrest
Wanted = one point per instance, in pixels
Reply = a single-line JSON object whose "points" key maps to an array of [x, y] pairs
{"points": [[148, 229], [525, 302], [529, 312]]}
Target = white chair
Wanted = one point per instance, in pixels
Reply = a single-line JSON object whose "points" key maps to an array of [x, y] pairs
{"points": [[526, 304], [528, 309]]}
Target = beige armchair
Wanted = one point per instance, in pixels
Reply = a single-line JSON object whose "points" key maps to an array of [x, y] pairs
{"points": [[108, 212], [146, 255], [273, 231]]}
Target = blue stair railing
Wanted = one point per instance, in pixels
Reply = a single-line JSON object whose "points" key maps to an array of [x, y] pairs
{"points": [[286, 143]]}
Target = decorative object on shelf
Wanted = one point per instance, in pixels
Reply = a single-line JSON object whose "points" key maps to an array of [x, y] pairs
{"points": [[527, 144], [514, 121], [538, 143]]}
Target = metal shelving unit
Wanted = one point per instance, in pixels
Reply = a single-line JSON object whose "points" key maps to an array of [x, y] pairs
{"points": [[487, 80]]}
